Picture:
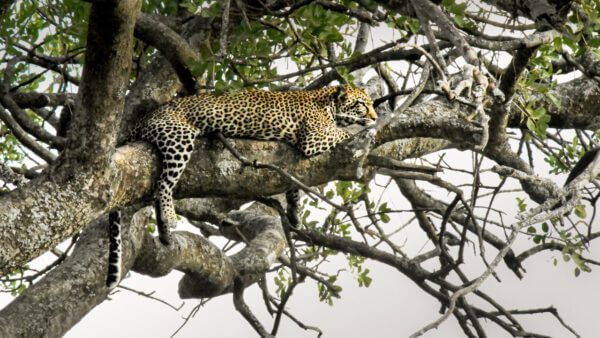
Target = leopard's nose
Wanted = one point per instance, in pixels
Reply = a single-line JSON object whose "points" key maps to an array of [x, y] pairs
{"points": [[372, 114]]}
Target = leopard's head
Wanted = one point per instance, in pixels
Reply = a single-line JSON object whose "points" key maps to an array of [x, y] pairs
{"points": [[353, 105]]}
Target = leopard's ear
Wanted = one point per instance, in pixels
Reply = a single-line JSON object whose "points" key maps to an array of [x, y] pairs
{"points": [[339, 94]]}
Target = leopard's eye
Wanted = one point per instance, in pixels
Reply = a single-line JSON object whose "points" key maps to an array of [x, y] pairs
{"points": [[360, 107]]}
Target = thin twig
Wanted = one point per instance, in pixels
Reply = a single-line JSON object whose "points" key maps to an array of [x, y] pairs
{"points": [[190, 315], [149, 296], [244, 310]]}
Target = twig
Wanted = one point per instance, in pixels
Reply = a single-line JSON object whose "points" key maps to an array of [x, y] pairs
{"points": [[550, 309], [244, 310], [273, 203], [149, 295], [60, 259], [534, 216], [298, 322], [190, 315], [281, 306]]}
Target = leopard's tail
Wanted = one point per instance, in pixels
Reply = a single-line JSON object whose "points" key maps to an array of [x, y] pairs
{"points": [[114, 254]]}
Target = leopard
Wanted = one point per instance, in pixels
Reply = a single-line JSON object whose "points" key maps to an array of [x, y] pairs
{"points": [[310, 120]]}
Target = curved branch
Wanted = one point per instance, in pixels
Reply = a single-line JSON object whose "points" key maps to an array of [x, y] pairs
{"points": [[173, 46], [68, 292], [208, 272]]}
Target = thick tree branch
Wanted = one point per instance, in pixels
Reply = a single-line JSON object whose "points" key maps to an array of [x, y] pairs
{"points": [[579, 102], [77, 285], [99, 104], [211, 172], [172, 46], [60, 299], [48, 210], [208, 271]]}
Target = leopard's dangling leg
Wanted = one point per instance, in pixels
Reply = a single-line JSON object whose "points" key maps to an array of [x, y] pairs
{"points": [[292, 198], [114, 252], [176, 147]]}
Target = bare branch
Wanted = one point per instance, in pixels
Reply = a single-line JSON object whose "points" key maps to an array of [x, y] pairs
{"points": [[173, 46]]}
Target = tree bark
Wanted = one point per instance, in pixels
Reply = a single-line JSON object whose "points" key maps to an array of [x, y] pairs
{"points": [[76, 191], [67, 293]]}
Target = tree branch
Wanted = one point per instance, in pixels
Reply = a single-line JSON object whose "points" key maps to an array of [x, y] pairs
{"points": [[99, 104], [49, 207], [172, 46]]}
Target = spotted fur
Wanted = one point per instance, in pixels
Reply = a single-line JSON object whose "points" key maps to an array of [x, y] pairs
{"points": [[308, 120]]}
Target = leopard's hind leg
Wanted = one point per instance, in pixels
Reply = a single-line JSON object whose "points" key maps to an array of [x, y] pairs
{"points": [[175, 142], [293, 199]]}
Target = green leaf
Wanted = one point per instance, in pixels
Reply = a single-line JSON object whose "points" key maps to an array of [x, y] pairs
{"points": [[329, 194], [594, 42], [20, 290], [151, 228], [580, 263], [580, 211], [545, 227], [555, 100], [521, 204], [343, 189], [364, 279]]}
